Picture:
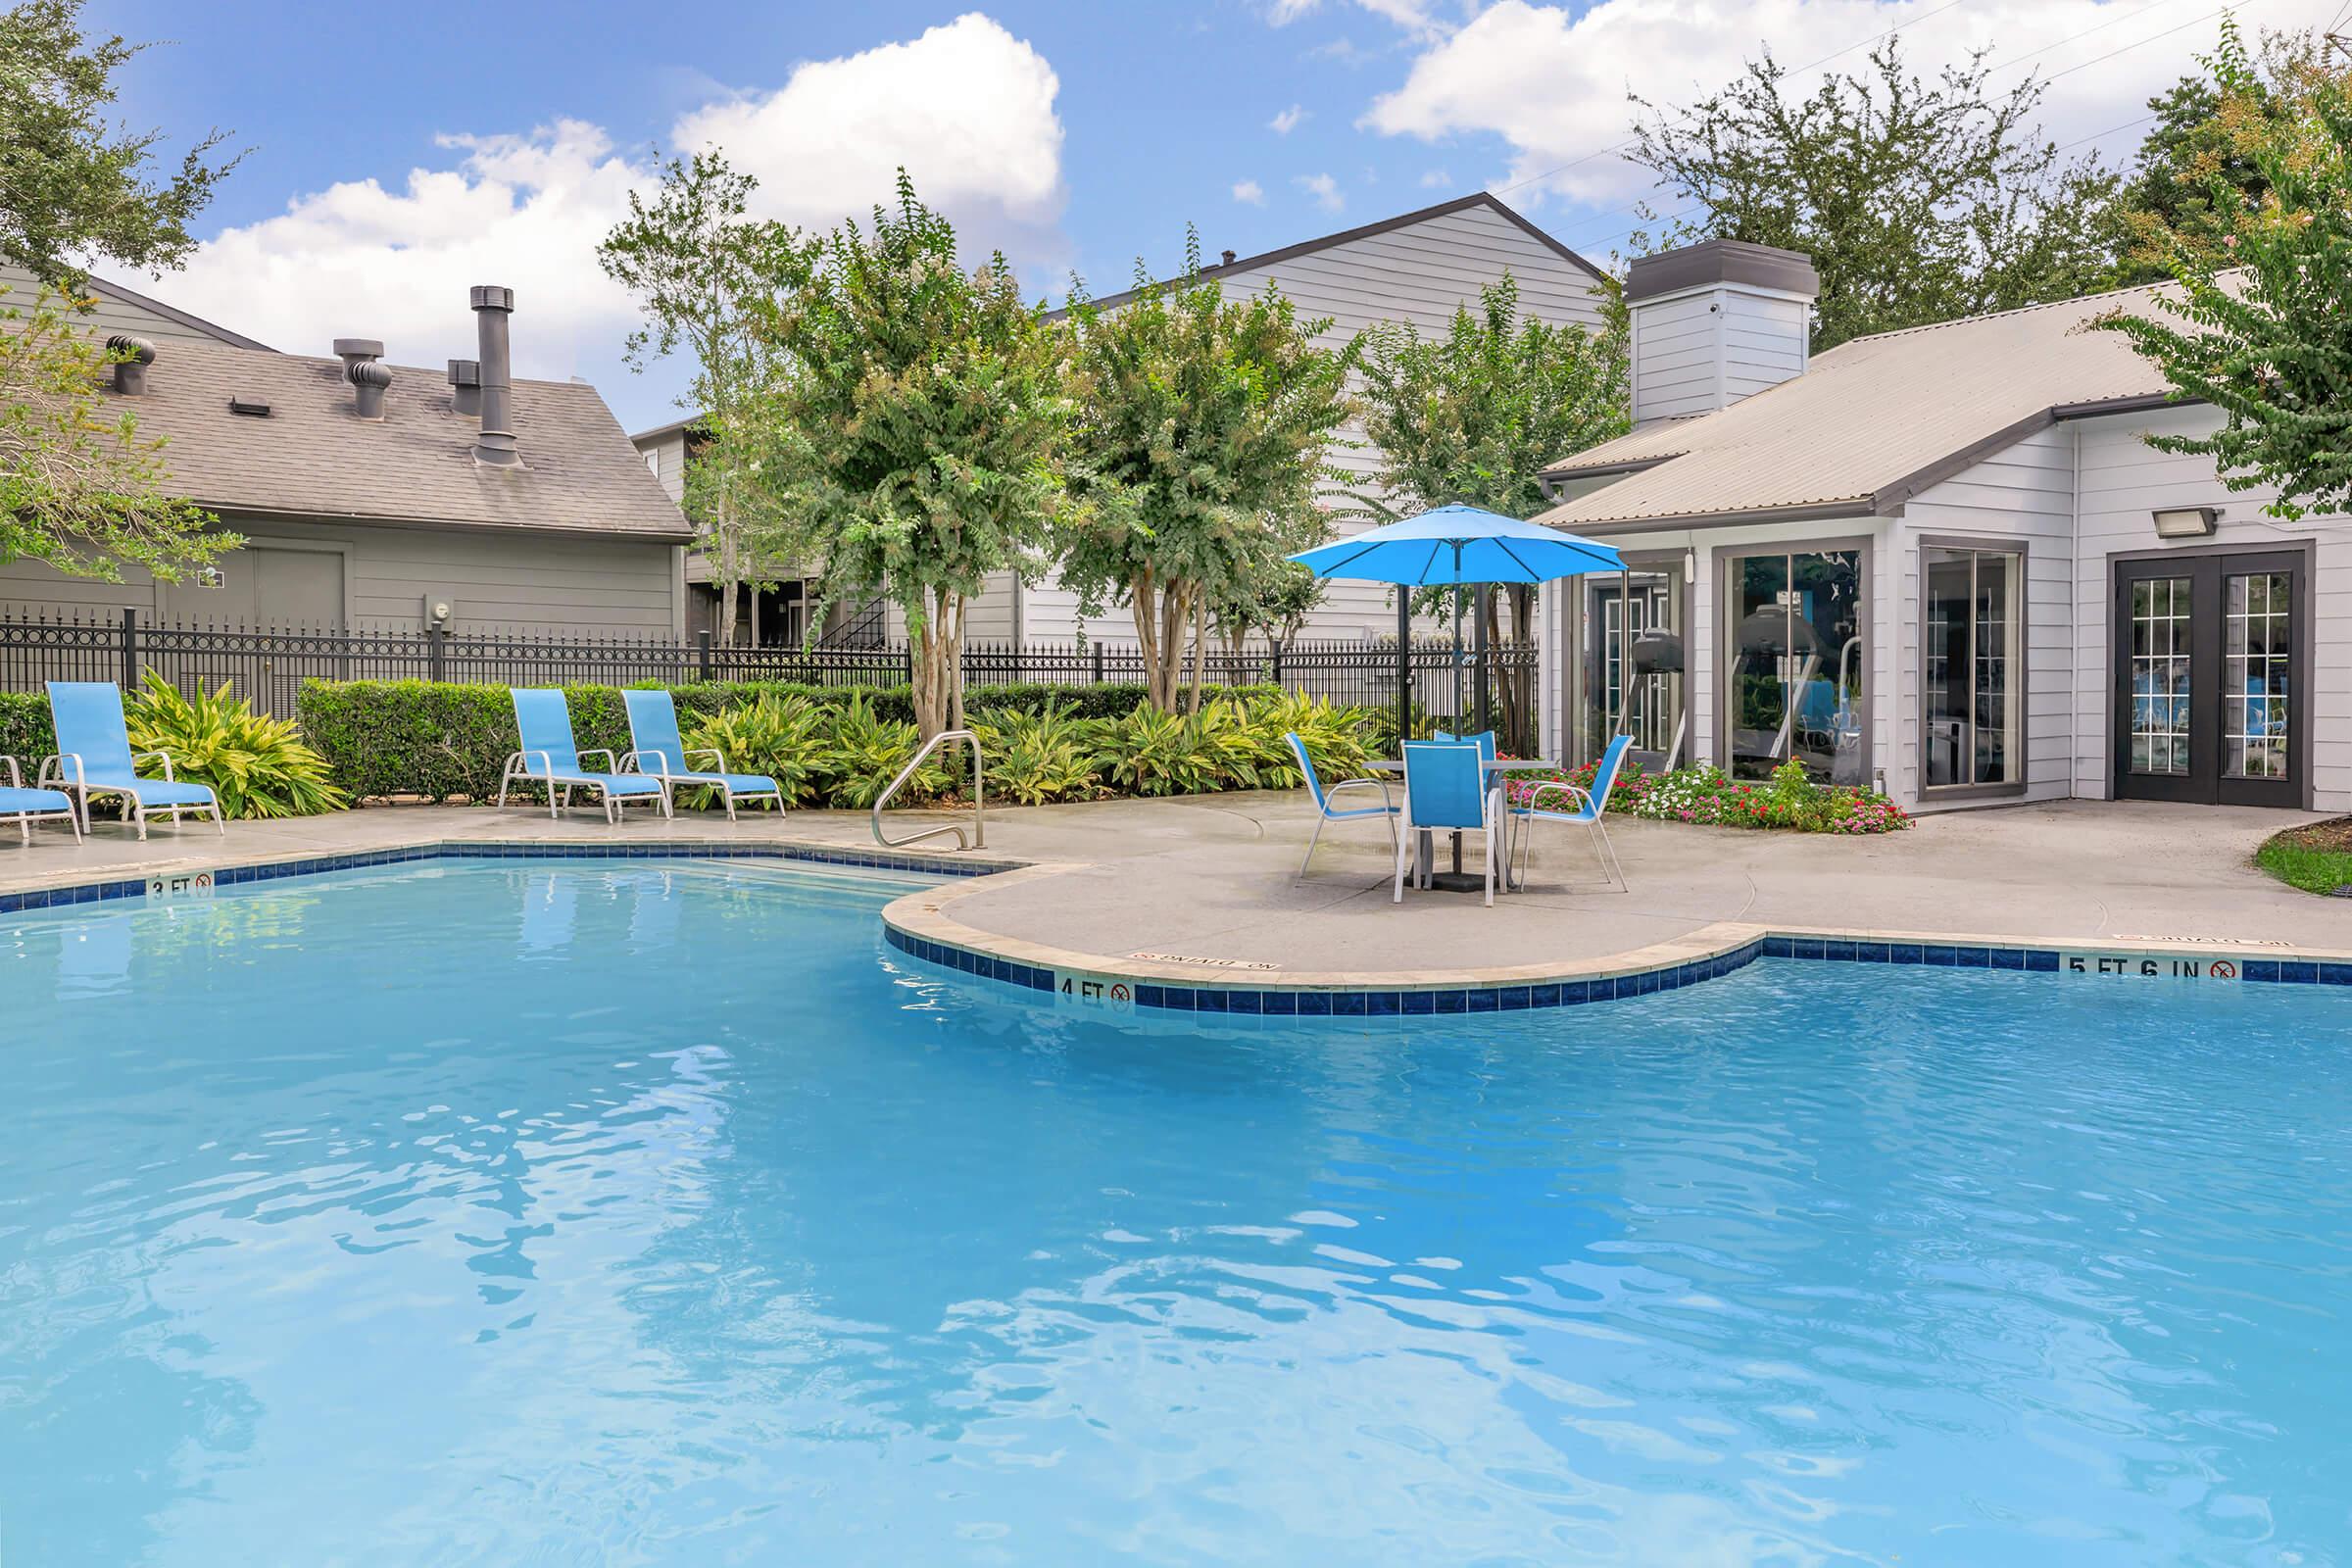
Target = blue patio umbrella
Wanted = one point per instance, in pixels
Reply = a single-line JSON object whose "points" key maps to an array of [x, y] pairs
{"points": [[1450, 546]]}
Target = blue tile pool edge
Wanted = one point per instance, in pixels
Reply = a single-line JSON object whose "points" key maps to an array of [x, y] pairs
{"points": [[32, 899], [1566, 991]]}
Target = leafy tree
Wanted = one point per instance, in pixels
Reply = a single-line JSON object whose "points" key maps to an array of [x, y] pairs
{"points": [[700, 270], [1274, 603], [1918, 201], [1196, 454], [910, 444], [79, 487], [73, 186], [2260, 325], [1474, 417], [2206, 124]]}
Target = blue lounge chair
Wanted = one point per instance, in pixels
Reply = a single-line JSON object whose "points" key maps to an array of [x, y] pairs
{"points": [[1444, 790], [93, 758], [543, 719], [24, 805], [1325, 812], [1590, 807], [661, 752]]}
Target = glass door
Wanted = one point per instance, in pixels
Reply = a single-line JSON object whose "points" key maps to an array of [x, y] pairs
{"points": [[1633, 662], [2210, 696], [1795, 664]]}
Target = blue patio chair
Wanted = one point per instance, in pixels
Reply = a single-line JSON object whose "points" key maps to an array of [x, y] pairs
{"points": [[1590, 805], [24, 805], [93, 758], [1326, 812], [542, 718], [1444, 791], [1483, 740], [661, 752]]}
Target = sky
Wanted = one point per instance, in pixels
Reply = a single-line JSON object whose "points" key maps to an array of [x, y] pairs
{"points": [[396, 154]]}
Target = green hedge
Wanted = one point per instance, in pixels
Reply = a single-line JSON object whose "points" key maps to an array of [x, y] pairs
{"points": [[443, 741], [24, 731]]}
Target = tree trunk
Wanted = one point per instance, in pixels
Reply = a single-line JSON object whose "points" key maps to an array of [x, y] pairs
{"points": [[938, 670], [1200, 650], [1161, 612], [729, 571]]}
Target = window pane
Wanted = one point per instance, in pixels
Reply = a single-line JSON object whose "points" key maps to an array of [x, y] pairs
{"points": [[1760, 662], [1945, 707], [2160, 671], [2255, 674], [1973, 629], [1633, 651]]}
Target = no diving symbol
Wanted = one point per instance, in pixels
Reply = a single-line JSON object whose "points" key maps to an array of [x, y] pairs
{"points": [[2222, 969], [1118, 993]]}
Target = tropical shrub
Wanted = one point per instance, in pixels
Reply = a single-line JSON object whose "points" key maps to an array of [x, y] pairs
{"points": [[258, 766], [867, 752], [778, 734], [1037, 759]]}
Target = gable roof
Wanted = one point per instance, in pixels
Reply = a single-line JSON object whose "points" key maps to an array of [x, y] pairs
{"points": [[1266, 259], [312, 456], [1873, 421], [173, 313]]}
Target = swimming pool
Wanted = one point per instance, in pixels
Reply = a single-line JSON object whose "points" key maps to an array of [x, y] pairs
{"points": [[650, 1212]]}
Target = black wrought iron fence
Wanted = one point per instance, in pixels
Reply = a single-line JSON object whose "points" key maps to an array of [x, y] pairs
{"points": [[269, 664]]}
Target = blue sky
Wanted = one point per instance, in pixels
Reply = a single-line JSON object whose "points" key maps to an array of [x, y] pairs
{"points": [[398, 152]]}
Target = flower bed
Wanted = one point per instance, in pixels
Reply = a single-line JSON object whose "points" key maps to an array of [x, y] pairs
{"points": [[1706, 795]]}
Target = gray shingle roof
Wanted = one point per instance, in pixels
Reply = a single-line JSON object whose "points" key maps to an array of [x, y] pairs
{"points": [[312, 456], [1871, 423]]}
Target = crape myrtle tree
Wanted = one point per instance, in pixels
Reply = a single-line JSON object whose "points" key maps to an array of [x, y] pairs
{"points": [[1475, 416], [1918, 200], [698, 266], [2260, 325], [80, 488], [909, 445], [1195, 456]]}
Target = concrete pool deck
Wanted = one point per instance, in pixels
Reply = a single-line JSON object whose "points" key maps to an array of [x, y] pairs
{"points": [[1202, 888]]}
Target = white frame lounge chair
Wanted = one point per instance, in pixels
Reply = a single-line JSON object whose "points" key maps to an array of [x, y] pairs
{"points": [[94, 757], [653, 731], [543, 723]]}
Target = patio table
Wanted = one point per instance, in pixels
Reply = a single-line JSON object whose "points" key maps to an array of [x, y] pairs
{"points": [[1458, 880]]}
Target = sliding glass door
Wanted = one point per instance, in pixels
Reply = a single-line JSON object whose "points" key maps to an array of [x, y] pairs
{"points": [[1632, 655], [1795, 664]]}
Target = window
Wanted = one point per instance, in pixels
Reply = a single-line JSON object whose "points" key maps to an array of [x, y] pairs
{"points": [[653, 461], [1795, 664], [1633, 662], [1972, 706]]}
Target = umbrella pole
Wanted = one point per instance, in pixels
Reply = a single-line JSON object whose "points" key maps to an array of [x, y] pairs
{"points": [[1457, 639]]}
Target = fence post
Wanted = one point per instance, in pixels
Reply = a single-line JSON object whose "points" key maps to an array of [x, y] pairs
{"points": [[436, 651], [1095, 649], [702, 655], [1277, 645], [130, 648]]}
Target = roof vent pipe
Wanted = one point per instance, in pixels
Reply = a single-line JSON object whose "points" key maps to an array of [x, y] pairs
{"points": [[1228, 262], [130, 373], [495, 446], [466, 387], [369, 378], [355, 350]]}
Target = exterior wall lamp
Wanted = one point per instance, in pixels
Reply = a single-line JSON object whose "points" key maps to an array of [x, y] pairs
{"points": [[2186, 522]]}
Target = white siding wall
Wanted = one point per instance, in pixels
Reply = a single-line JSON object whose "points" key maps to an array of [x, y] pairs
{"points": [[2122, 480], [1707, 349], [1420, 274], [2025, 493], [667, 459]]}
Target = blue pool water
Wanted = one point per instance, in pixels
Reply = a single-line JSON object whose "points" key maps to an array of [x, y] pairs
{"points": [[627, 1213]]}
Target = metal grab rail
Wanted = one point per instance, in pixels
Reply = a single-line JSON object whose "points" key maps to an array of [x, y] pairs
{"points": [[978, 839]]}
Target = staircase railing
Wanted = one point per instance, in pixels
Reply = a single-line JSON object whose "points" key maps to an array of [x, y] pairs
{"points": [[979, 809]]}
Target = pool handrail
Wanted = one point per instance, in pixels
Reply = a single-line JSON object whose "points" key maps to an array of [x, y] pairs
{"points": [[654, 732], [543, 723], [94, 757], [979, 839]]}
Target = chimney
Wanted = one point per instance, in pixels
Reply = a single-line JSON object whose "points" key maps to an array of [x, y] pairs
{"points": [[466, 387], [495, 446], [1716, 322], [130, 374], [1228, 262], [369, 379]]}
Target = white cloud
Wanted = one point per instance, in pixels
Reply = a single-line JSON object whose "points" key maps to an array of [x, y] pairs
{"points": [[1551, 83], [1417, 16], [1324, 189], [1284, 123], [1250, 191], [967, 107], [1437, 179]]}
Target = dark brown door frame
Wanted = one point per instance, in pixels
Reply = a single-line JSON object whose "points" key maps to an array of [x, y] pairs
{"points": [[2205, 783]]}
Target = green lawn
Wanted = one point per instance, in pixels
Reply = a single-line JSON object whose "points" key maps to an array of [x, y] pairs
{"points": [[2316, 858]]}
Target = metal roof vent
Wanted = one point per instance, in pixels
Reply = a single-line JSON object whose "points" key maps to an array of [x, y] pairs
{"points": [[353, 350], [369, 378], [466, 387], [1228, 260], [130, 374], [256, 407], [495, 446]]}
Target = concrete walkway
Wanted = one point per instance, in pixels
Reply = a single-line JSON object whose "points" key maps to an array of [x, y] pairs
{"points": [[1210, 878]]}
